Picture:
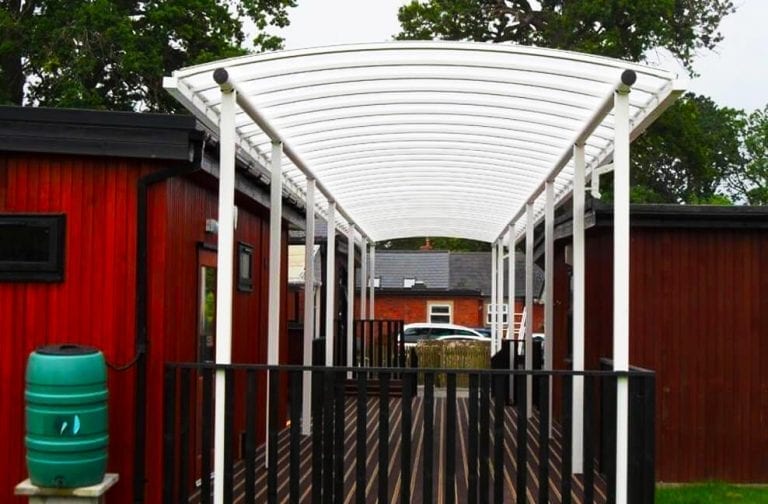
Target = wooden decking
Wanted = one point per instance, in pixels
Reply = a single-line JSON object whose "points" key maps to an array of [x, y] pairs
{"points": [[460, 444]]}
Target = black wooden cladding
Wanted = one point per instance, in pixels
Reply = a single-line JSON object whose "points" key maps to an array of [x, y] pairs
{"points": [[429, 435], [207, 429], [407, 422], [642, 440], [450, 429], [543, 406], [492, 469], [499, 401], [567, 415], [229, 418], [377, 343], [472, 435], [272, 437], [296, 378], [589, 459], [521, 480], [384, 438], [250, 438], [362, 422]]}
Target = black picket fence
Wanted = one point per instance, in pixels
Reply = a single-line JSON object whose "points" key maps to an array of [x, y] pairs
{"points": [[376, 342], [376, 435]]}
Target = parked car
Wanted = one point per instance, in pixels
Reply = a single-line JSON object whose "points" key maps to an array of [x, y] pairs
{"points": [[413, 333], [485, 331], [464, 337]]}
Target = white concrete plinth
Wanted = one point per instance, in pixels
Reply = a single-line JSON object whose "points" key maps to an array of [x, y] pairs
{"points": [[83, 495]]}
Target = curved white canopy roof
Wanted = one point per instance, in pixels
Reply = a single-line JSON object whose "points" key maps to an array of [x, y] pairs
{"points": [[428, 138]]}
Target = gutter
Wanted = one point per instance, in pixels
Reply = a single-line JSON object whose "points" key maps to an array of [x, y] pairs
{"points": [[142, 278]]}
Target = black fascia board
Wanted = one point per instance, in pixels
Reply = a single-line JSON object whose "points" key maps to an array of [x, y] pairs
{"points": [[97, 133], [670, 216]]}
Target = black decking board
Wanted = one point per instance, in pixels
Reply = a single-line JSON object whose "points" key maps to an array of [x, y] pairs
{"points": [[395, 484]]}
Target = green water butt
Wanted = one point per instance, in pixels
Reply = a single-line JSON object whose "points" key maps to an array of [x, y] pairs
{"points": [[66, 416]]}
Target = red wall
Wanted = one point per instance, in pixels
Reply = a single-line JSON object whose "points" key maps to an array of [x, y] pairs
{"points": [[95, 304], [173, 319], [699, 318], [467, 311]]}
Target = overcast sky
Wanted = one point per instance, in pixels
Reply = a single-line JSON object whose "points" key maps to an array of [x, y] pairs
{"points": [[735, 75]]}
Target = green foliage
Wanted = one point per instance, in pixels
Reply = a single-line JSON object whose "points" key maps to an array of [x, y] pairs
{"points": [[711, 493], [620, 28], [688, 154], [692, 153], [457, 244], [113, 54], [751, 184]]}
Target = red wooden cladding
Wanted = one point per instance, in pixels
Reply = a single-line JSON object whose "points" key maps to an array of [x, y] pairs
{"points": [[95, 304], [699, 318]]}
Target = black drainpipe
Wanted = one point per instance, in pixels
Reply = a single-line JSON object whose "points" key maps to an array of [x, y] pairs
{"points": [[142, 277]]}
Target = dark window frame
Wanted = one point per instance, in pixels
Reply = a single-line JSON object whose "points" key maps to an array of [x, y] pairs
{"points": [[244, 283], [51, 270]]}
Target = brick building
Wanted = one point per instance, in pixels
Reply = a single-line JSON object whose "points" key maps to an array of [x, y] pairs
{"points": [[444, 286]]}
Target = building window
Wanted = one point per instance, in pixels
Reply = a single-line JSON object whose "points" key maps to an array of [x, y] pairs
{"points": [[490, 309], [32, 247], [244, 267], [439, 312], [409, 282]]}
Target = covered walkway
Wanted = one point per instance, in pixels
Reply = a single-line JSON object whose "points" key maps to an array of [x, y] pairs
{"points": [[451, 139]]}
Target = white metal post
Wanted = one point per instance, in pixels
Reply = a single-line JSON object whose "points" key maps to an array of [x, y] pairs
{"points": [[512, 308], [225, 268], [499, 295], [309, 305], [275, 235], [494, 288], [549, 288], [350, 293], [621, 285], [529, 225], [512, 299], [372, 307], [330, 284], [275, 241], [363, 278], [579, 302]]}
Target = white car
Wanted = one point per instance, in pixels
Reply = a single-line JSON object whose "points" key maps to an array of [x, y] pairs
{"points": [[413, 333], [464, 337]]}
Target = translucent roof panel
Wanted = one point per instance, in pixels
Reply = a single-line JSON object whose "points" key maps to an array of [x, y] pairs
{"points": [[426, 138]]}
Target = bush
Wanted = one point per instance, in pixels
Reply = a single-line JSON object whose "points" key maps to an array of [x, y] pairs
{"points": [[453, 355]]}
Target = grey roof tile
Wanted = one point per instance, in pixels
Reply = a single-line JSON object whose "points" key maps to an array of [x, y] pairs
{"points": [[429, 267], [439, 269]]}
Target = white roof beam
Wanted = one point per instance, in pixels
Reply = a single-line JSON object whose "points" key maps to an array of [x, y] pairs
{"points": [[627, 79], [221, 76]]}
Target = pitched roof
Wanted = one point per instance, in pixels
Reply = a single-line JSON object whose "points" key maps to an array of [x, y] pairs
{"points": [[429, 267], [472, 270], [450, 271]]}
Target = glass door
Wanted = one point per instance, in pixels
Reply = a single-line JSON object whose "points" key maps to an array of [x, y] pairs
{"points": [[206, 352]]}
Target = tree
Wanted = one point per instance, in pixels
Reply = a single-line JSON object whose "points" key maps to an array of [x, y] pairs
{"points": [[437, 244], [619, 28], [751, 184], [114, 53], [693, 149], [689, 154]]}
